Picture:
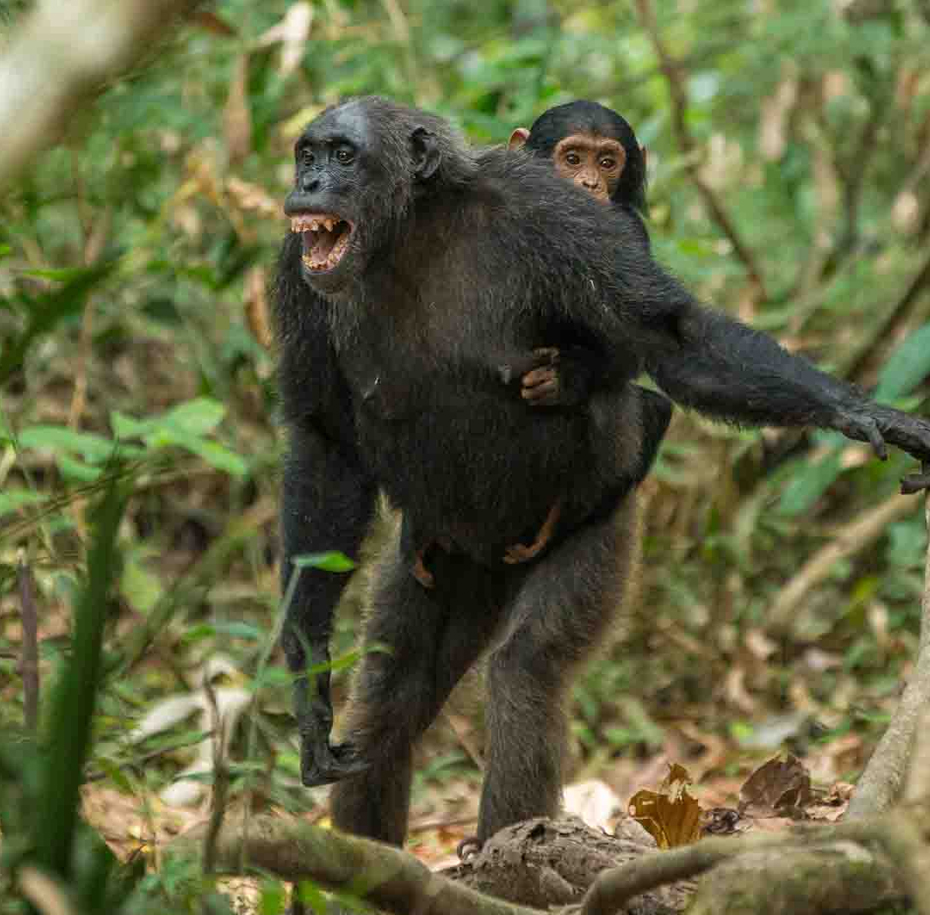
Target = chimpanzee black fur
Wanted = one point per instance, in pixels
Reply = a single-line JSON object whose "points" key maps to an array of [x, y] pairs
{"points": [[389, 382], [550, 376]]}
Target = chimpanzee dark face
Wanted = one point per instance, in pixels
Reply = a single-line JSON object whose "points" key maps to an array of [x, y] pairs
{"points": [[330, 158], [358, 166]]}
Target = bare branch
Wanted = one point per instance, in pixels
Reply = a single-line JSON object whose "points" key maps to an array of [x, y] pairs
{"points": [[62, 53], [853, 539], [385, 876], [29, 664]]}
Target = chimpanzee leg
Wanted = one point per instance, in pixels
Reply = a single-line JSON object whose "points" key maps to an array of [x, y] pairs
{"points": [[431, 637], [560, 612]]}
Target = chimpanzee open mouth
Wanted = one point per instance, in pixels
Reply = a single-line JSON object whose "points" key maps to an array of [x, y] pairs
{"points": [[325, 239]]}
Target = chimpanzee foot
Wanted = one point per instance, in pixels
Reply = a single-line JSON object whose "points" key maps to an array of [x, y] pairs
{"points": [[520, 552], [468, 848]]}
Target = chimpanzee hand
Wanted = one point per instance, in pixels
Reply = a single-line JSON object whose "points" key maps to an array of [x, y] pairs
{"points": [[550, 377], [320, 761], [881, 426]]}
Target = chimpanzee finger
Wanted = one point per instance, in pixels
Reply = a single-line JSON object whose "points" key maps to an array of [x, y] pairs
{"points": [[322, 764], [915, 482], [547, 355], [876, 440], [539, 376]]}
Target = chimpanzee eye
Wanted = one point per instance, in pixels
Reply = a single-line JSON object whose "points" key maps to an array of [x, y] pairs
{"points": [[305, 156], [344, 155], [607, 163], [573, 159]]}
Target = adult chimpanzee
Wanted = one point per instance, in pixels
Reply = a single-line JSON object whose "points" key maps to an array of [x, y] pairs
{"points": [[411, 265]]}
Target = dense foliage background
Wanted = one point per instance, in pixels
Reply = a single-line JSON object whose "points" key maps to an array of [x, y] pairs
{"points": [[789, 150]]}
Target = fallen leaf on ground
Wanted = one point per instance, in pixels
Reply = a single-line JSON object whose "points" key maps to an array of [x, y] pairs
{"points": [[670, 815], [779, 787]]}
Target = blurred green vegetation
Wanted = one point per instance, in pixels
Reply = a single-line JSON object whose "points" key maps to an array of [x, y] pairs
{"points": [[135, 262]]}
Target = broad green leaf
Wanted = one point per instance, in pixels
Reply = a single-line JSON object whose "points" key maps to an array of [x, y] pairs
{"points": [[128, 427], [141, 588], [196, 417], [810, 482], [213, 453], [907, 366], [75, 470], [91, 447]]}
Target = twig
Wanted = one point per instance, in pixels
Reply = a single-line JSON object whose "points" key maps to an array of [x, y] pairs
{"points": [[220, 782], [881, 782], [29, 665], [44, 893], [853, 539], [672, 71]]}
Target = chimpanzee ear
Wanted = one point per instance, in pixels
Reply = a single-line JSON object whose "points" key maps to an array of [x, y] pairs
{"points": [[426, 155], [518, 138]]}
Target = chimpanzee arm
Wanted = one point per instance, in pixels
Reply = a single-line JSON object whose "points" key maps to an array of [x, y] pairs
{"points": [[725, 369], [327, 504]]}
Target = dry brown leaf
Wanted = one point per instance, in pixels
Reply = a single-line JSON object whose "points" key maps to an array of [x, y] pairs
{"points": [[257, 312], [670, 815], [249, 196], [777, 788], [237, 118]]}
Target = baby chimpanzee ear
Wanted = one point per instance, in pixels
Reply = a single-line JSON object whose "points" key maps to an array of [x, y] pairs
{"points": [[518, 138], [426, 155]]}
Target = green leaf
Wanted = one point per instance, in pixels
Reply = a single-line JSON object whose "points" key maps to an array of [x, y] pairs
{"points": [[332, 561], [196, 417], [213, 453], [810, 483], [127, 427], [76, 470], [141, 588], [91, 447], [74, 698], [47, 310], [16, 498], [907, 366]]}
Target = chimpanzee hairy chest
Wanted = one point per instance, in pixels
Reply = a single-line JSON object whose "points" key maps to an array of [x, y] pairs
{"points": [[464, 458]]}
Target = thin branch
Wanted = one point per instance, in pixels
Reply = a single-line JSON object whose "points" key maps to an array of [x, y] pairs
{"points": [[853, 539], [29, 665], [672, 70], [63, 53]]}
